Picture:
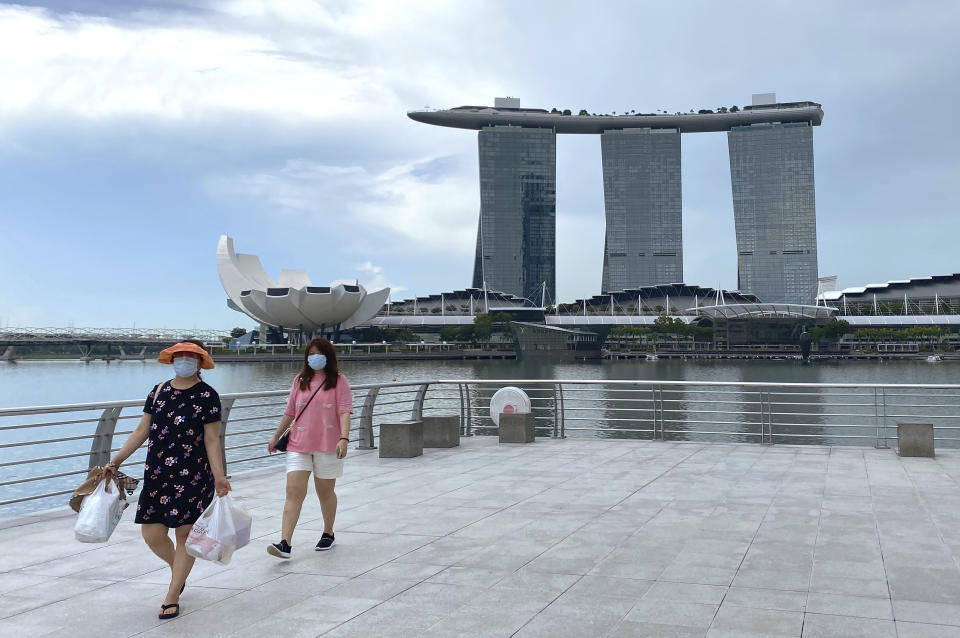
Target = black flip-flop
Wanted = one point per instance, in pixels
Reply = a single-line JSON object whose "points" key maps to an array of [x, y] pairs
{"points": [[171, 615]]}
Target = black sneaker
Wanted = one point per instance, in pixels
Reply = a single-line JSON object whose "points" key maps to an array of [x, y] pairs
{"points": [[326, 542], [280, 550]]}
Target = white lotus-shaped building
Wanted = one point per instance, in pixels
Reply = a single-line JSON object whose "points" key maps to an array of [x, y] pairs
{"points": [[292, 302]]}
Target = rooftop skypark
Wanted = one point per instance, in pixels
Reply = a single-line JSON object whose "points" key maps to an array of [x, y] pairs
{"points": [[704, 120]]}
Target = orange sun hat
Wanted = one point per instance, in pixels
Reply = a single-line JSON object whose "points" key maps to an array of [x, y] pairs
{"points": [[166, 356]]}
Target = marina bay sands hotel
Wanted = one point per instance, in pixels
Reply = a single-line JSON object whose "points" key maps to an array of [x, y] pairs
{"points": [[771, 173]]}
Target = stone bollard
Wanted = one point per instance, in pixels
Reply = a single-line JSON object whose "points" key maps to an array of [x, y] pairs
{"points": [[915, 439], [516, 428], [441, 431], [402, 440]]}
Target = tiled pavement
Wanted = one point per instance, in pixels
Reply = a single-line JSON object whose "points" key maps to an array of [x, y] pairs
{"points": [[558, 538]]}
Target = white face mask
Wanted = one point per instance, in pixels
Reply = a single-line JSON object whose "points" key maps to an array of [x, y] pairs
{"points": [[317, 361], [185, 367]]}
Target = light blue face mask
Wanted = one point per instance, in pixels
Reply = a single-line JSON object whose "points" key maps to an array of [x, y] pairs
{"points": [[317, 361], [185, 367]]}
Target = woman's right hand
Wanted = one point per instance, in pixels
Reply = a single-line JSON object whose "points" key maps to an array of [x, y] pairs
{"points": [[271, 446], [110, 470]]}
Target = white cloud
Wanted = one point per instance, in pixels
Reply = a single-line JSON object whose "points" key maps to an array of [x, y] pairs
{"points": [[373, 278], [405, 208], [97, 68], [294, 62]]}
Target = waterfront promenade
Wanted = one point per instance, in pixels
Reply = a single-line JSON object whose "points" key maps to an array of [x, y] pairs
{"points": [[559, 538]]}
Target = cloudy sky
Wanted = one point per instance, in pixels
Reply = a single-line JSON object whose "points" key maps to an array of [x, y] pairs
{"points": [[132, 135]]}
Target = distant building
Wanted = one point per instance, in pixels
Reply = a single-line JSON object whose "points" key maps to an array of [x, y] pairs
{"points": [[672, 299], [516, 238], [922, 296], [771, 164], [771, 173], [642, 198], [291, 303]]}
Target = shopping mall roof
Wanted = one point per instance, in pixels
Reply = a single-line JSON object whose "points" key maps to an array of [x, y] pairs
{"points": [[662, 291], [893, 284], [765, 311]]}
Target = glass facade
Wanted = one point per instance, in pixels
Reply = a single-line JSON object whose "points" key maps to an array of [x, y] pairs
{"points": [[516, 238], [771, 173], [642, 198]]}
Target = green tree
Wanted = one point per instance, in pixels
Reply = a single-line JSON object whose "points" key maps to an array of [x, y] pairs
{"points": [[238, 332], [629, 331], [502, 318], [835, 329], [483, 326], [450, 333], [663, 324]]}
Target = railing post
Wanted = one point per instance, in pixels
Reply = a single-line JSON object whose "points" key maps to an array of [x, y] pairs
{"points": [[463, 413], [883, 397], [366, 420], [469, 412], [563, 415], [880, 410], [658, 392], [555, 413], [766, 419], [417, 412], [769, 419], [102, 446], [225, 406]]}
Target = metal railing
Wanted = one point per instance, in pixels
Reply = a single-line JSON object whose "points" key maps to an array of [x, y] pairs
{"points": [[748, 412], [45, 451]]}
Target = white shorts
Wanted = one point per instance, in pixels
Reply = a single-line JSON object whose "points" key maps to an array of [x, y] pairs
{"points": [[325, 465]]}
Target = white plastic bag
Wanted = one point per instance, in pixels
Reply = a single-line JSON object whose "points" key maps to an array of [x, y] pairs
{"points": [[222, 528], [242, 522], [99, 514]]}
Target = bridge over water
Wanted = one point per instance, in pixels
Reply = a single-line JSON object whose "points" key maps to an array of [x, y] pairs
{"points": [[85, 339]]}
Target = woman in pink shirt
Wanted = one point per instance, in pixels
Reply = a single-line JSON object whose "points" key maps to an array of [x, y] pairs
{"points": [[318, 416]]}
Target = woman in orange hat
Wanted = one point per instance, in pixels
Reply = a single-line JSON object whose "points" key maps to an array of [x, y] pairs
{"points": [[184, 466]]}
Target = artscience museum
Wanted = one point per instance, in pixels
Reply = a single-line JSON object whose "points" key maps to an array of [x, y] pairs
{"points": [[292, 304]]}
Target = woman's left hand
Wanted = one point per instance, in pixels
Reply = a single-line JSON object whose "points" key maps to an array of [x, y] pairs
{"points": [[221, 485], [341, 449]]}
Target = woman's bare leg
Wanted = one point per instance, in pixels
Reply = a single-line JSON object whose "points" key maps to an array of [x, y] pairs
{"points": [[182, 564], [328, 501], [158, 540], [296, 492]]}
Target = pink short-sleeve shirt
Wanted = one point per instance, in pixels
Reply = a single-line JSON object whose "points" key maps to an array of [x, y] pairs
{"points": [[318, 428]]}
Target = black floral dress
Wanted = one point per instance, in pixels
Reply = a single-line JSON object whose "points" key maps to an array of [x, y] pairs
{"points": [[177, 481]]}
